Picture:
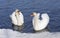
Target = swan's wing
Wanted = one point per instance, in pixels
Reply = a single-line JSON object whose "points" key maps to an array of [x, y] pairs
{"points": [[21, 17], [13, 14], [45, 15], [38, 14], [45, 19]]}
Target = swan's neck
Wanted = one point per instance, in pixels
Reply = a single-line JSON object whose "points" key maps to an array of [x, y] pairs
{"points": [[36, 17], [18, 19]]}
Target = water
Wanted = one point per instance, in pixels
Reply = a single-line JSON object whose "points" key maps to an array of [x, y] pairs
{"points": [[52, 7]]}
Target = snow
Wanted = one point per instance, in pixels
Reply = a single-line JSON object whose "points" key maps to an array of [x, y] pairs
{"points": [[9, 33]]}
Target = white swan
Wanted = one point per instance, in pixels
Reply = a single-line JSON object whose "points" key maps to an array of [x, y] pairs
{"points": [[17, 18], [39, 24]]}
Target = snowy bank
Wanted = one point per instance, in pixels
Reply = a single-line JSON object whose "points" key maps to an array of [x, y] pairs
{"points": [[8, 33]]}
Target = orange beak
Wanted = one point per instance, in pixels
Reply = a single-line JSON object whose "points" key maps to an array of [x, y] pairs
{"points": [[32, 14]]}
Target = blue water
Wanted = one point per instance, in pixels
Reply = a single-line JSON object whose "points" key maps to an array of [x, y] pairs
{"points": [[52, 7]]}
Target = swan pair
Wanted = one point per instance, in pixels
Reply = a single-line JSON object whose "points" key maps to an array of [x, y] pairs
{"points": [[38, 24]]}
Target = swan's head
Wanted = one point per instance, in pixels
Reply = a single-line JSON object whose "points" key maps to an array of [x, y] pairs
{"points": [[17, 12], [35, 14]]}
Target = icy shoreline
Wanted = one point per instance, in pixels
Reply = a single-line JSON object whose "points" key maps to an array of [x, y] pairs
{"points": [[8, 33]]}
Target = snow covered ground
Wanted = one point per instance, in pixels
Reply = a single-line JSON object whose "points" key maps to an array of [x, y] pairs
{"points": [[8, 33]]}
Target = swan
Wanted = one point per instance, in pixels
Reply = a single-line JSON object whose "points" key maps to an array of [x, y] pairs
{"points": [[17, 20], [40, 24]]}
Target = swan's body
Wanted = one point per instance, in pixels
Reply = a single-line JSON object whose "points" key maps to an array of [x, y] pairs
{"points": [[17, 18], [40, 24]]}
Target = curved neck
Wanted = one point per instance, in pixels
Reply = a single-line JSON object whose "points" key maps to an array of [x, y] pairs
{"points": [[37, 17]]}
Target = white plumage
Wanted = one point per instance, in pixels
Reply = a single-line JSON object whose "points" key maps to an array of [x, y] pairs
{"points": [[40, 24], [17, 17]]}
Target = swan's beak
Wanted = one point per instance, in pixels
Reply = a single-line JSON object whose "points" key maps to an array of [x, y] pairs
{"points": [[32, 14]]}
